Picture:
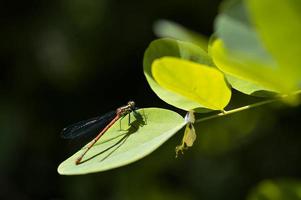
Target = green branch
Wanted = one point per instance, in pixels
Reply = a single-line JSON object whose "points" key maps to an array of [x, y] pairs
{"points": [[246, 107]]}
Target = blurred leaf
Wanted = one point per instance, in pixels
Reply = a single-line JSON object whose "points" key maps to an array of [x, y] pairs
{"points": [[278, 24], [61, 62], [121, 147], [245, 51], [284, 189], [199, 83], [165, 28], [261, 75], [248, 87], [233, 27], [175, 48]]}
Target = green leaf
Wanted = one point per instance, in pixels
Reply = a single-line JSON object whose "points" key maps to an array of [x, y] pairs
{"points": [[175, 48], [118, 147], [280, 31], [261, 75], [235, 30], [199, 83], [288, 189], [165, 28], [251, 65], [233, 27], [248, 87]]}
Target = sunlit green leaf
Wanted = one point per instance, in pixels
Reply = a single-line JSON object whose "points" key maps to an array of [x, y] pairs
{"points": [[175, 48], [165, 28], [246, 51], [199, 83], [283, 189], [233, 27], [120, 147], [278, 23], [248, 87], [259, 74], [235, 30]]}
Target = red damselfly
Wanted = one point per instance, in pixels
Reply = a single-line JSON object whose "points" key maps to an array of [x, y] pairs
{"points": [[98, 125]]}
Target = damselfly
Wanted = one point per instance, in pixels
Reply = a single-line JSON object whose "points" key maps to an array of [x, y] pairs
{"points": [[98, 125]]}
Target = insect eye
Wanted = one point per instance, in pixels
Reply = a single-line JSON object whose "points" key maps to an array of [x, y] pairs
{"points": [[131, 103]]}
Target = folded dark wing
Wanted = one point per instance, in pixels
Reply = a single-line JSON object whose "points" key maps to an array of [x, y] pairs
{"points": [[87, 127]]}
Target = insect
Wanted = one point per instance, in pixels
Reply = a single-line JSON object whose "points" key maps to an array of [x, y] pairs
{"points": [[100, 124]]}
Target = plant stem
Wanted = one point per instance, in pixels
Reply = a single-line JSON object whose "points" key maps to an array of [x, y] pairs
{"points": [[246, 107]]}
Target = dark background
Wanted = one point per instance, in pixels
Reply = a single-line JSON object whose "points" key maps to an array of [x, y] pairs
{"points": [[64, 61]]}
